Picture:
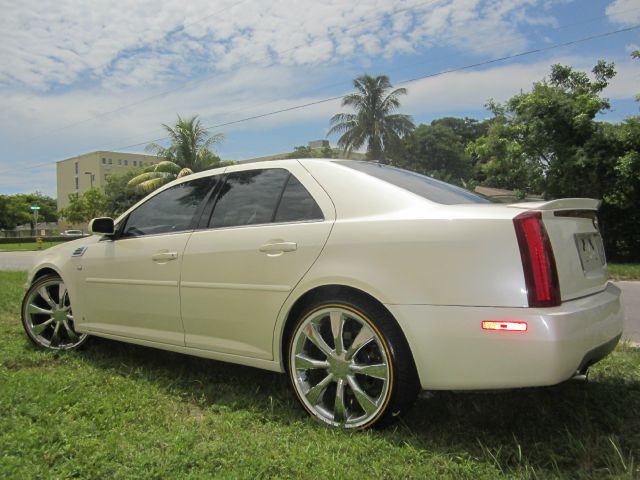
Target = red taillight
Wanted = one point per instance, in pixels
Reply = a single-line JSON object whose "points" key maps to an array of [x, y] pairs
{"points": [[505, 326], [540, 274]]}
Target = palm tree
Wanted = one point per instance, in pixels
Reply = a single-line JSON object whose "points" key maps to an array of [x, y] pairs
{"points": [[373, 121], [189, 152]]}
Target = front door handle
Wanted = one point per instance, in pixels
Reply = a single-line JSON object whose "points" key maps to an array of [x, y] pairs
{"points": [[277, 247], [164, 256]]}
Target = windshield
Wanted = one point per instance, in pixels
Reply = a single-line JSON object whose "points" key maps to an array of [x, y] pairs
{"points": [[427, 187]]}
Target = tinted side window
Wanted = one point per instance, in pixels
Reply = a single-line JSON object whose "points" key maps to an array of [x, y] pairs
{"points": [[297, 204], [249, 198], [169, 211]]}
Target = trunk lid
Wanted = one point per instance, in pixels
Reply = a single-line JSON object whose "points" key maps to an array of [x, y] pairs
{"points": [[571, 226]]}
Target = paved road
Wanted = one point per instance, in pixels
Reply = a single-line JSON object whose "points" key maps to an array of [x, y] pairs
{"points": [[631, 301], [630, 291], [16, 260]]}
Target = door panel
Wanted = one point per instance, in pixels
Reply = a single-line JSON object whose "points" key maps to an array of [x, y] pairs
{"points": [[235, 280], [132, 285]]}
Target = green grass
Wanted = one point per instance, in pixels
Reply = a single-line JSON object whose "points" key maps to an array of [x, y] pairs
{"points": [[120, 411], [25, 247], [624, 271]]}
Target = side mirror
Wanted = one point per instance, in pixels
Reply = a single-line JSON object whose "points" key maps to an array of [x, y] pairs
{"points": [[103, 225]]}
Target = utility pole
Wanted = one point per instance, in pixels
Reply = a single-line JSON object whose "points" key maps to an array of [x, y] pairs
{"points": [[36, 209]]}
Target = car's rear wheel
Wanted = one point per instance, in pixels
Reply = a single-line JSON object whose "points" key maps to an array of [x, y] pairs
{"points": [[47, 316], [350, 366]]}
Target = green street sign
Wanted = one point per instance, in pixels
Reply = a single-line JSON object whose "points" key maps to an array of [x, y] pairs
{"points": [[35, 207]]}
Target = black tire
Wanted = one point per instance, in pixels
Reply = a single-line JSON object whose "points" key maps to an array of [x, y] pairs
{"points": [[304, 358], [47, 317]]}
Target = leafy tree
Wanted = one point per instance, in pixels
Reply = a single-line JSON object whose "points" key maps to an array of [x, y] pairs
{"points": [[16, 209], [306, 152], [439, 149], [190, 151], [619, 152], [547, 140], [120, 195], [373, 123], [82, 208], [537, 137]]}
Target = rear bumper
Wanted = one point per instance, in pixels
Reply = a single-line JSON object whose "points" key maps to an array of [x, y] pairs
{"points": [[452, 352]]}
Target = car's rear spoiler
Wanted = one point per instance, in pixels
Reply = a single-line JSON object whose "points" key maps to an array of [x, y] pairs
{"points": [[560, 204]]}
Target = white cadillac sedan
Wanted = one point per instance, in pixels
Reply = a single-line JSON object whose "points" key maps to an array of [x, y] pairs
{"points": [[364, 282]]}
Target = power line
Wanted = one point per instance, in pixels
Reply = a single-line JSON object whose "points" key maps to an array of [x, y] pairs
{"points": [[198, 81], [202, 79], [403, 82], [412, 80]]}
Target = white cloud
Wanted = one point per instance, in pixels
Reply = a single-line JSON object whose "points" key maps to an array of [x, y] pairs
{"points": [[461, 91], [253, 91], [625, 12], [231, 59], [45, 43]]}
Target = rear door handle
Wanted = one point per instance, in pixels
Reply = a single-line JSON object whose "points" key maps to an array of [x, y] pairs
{"points": [[274, 248], [164, 256]]}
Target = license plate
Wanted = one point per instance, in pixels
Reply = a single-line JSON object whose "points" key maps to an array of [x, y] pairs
{"points": [[590, 250]]}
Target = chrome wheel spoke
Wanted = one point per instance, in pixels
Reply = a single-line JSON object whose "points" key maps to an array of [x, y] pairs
{"points": [[367, 403], [312, 333], [62, 294], [73, 336], [337, 328], [314, 393], [339, 410], [55, 338], [44, 293], [378, 370], [354, 362], [365, 335], [56, 332], [34, 309], [305, 362], [41, 327]]}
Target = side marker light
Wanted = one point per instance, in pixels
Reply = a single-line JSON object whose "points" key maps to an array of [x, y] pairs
{"points": [[506, 326]]}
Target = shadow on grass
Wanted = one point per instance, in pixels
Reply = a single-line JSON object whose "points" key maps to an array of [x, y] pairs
{"points": [[577, 429]]}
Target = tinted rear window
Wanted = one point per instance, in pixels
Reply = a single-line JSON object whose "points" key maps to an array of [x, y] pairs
{"points": [[297, 204], [427, 187]]}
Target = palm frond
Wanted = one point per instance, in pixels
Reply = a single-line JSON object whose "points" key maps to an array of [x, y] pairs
{"points": [[167, 167], [138, 179], [151, 185]]}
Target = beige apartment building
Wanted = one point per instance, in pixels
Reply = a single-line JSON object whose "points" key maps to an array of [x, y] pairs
{"points": [[78, 174]]}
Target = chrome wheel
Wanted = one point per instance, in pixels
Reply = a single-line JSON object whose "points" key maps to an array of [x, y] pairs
{"points": [[47, 316], [340, 367]]}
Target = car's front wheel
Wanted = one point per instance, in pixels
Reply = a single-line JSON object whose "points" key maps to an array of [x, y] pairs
{"points": [[47, 316], [350, 366]]}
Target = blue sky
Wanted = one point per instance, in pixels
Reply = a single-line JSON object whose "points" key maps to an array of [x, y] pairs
{"points": [[79, 76]]}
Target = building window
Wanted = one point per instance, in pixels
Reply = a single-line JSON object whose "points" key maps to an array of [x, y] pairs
{"points": [[104, 161], [110, 161], [77, 186], [106, 175], [119, 162], [126, 163], [76, 166]]}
